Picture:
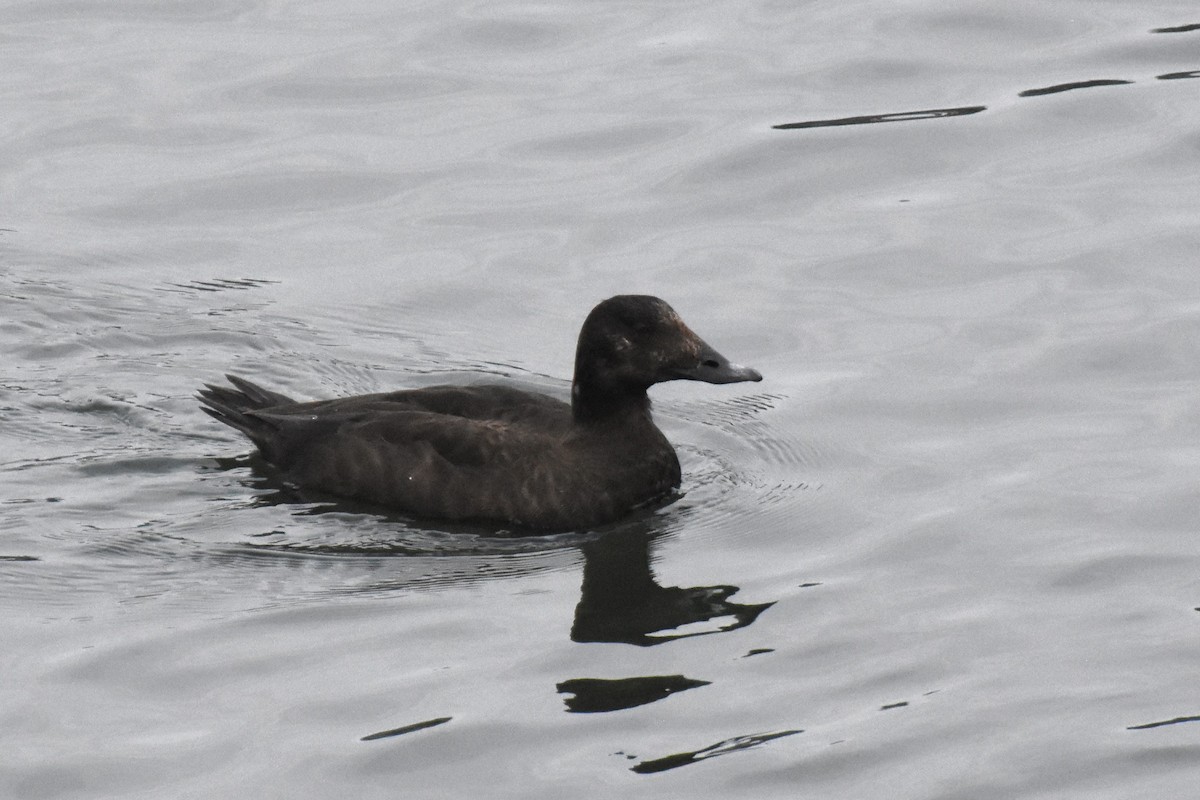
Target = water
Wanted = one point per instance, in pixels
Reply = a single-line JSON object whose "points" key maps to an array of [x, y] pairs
{"points": [[946, 549]]}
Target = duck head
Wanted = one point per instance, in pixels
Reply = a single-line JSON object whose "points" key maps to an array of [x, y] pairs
{"points": [[628, 343]]}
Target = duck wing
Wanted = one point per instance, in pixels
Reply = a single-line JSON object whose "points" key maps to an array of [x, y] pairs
{"points": [[426, 463], [278, 425], [445, 451]]}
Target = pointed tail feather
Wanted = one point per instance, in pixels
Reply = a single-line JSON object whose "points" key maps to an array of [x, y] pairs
{"points": [[236, 407], [262, 398]]}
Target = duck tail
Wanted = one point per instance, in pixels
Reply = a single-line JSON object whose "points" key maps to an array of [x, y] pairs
{"points": [[236, 407]]}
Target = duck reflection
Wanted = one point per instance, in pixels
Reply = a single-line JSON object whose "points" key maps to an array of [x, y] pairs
{"points": [[621, 601], [594, 694]]}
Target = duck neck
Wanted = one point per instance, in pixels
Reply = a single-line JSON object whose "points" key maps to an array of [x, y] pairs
{"points": [[595, 404]]}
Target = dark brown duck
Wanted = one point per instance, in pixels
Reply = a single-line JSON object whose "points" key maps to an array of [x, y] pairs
{"points": [[491, 452]]}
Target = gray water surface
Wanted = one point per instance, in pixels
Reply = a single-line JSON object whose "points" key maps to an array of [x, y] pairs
{"points": [[946, 549]]}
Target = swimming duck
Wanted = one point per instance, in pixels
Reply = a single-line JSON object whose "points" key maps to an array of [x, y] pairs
{"points": [[494, 453]]}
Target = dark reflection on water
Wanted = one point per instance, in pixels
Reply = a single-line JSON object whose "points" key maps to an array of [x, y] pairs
{"points": [[1175, 76], [622, 602], [403, 729], [217, 285], [1178, 29], [594, 694], [940, 113], [1067, 87], [1163, 723], [902, 116], [721, 748]]}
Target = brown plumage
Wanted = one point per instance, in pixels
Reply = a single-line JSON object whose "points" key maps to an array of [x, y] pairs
{"points": [[492, 452]]}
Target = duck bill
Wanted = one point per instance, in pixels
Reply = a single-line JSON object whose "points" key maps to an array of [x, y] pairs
{"points": [[712, 367]]}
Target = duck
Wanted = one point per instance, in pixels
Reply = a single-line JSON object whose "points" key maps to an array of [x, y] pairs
{"points": [[493, 453]]}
